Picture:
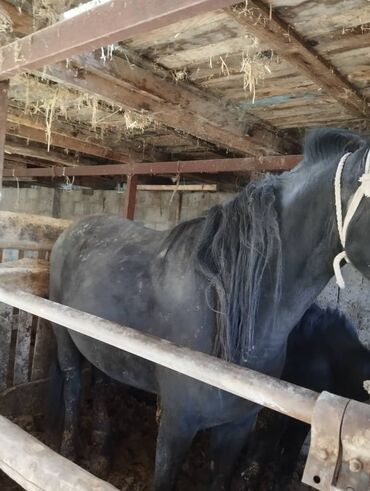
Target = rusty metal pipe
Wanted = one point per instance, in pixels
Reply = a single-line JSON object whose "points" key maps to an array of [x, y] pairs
{"points": [[281, 396]]}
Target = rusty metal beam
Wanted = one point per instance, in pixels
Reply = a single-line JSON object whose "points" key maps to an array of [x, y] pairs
{"points": [[130, 197], [105, 24], [267, 163], [4, 86]]}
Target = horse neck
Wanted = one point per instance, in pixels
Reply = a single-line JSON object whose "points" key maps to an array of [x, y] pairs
{"points": [[309, 235]]}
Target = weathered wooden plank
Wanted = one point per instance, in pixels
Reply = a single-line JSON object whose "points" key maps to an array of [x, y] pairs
{"points": [[107, 82], [27, 274], [4, 86], [32, 232], [268, 27], [6, 318], [32, 131], [107, 23], [53, 158], [22, 349], [180, 187], [44, 350], [21, 23], [178, 106]]}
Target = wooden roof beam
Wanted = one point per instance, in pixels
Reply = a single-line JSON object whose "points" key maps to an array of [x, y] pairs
{"points": [[263, 23], [108, 23], [24, 127], [180, 106], [54, 158]]}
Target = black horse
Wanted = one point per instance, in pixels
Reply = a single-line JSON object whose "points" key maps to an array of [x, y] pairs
{"points": [[233, 283], [323, 353]]}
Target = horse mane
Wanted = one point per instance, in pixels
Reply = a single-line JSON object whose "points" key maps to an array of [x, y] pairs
{"points": [[324, 143], [239, 249]]}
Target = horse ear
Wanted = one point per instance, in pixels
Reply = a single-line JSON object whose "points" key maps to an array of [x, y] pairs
{"points": [[325, 143]]}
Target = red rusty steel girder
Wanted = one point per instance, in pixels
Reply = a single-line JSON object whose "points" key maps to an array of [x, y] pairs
{"points": [[105, 24], [130, 198], [266, 163]]}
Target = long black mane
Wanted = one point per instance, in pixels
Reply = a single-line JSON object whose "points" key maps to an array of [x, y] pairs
{"points": [[239, 246]]}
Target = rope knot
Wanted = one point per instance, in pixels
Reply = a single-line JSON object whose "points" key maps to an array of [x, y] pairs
{"points": [[365, 184]]}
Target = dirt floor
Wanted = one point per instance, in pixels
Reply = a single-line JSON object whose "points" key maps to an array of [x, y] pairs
{"points": [[135, 428]]}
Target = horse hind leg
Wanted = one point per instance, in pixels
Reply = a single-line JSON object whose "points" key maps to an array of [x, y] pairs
{"points": [[175, 435], [101, 433], [69, 359]]}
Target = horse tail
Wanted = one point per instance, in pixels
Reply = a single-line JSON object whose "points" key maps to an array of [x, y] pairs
{"points": [[55, 404]]}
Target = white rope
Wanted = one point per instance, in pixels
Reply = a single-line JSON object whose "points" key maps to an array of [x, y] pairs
{"points": [[363, 190]]}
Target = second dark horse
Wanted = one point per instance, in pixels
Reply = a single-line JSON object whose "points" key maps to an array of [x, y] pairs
{"points": [[233, 283], [324, 354]]}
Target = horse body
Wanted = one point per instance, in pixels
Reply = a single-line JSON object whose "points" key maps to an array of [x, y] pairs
{"points": [[324, 353], [233, 283]]}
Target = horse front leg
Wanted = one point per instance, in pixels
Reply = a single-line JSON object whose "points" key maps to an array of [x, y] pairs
{"points": [[226, 444], [175, 435]]}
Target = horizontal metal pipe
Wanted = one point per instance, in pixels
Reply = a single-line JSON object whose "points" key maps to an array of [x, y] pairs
{"points": [[36, 467], [281, 396], [212, 166]]}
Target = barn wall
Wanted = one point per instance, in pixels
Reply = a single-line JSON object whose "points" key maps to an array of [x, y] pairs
{"points": [[161, 210]]}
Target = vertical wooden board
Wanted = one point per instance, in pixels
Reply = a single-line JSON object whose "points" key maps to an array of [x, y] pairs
{"points": [[6, 318], [44, 350], [22, 349]]}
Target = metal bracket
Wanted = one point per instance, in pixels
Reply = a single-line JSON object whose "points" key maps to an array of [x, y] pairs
{"points": [[324, 451], [339, 456]]}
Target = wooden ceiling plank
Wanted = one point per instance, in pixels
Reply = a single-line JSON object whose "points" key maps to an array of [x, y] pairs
{"points": [[107, 23], [190, 110], [280, 37], [38, 134], [180, 106], [55, 158]]}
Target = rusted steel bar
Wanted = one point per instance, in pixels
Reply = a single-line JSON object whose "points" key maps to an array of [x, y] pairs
{"points": [[130, 198], [281, 396], [105, 24], [36, 467], [4, 86], [213, 166]]}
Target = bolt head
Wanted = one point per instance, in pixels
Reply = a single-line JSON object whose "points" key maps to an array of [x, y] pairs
{"points": [[355, 465]]}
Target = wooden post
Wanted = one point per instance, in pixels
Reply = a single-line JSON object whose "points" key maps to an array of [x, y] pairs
{"points": [[4, 86], [130, 198]]}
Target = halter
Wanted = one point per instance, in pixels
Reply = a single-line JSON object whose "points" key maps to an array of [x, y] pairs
{"points": [[363, 190]]}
